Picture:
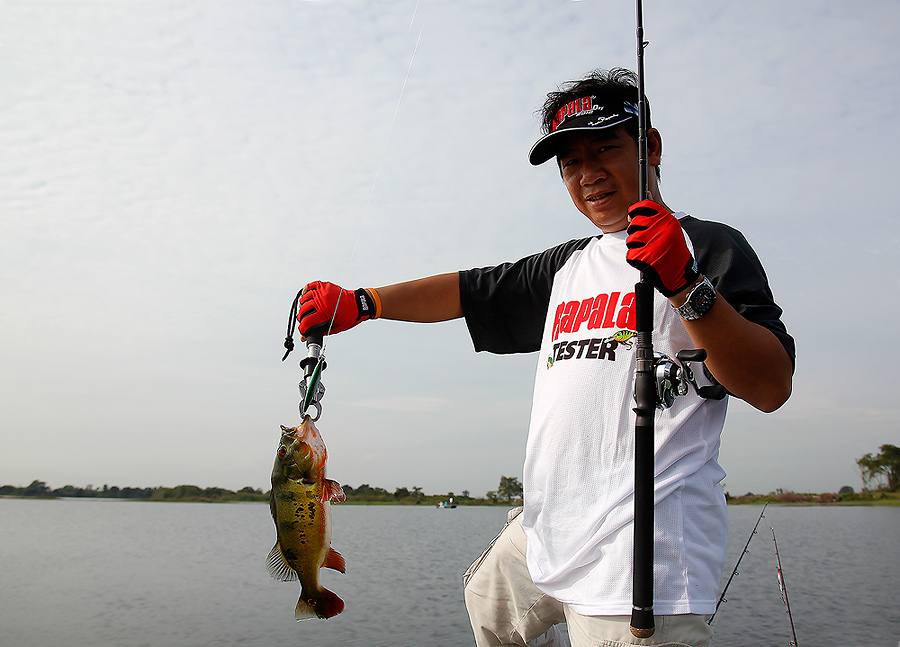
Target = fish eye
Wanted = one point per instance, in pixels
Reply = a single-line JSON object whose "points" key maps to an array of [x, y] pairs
{"points": [[282, 451]]}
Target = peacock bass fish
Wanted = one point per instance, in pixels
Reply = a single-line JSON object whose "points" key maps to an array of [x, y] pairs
{"points": [[301, 508]]}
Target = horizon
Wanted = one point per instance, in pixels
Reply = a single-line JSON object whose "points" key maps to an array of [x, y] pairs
{"points": [[91, 488]]}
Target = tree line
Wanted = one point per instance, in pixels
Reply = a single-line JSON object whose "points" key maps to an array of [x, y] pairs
{"points": [[40, 489], [508, 492], [880, 474], [881, 470]]}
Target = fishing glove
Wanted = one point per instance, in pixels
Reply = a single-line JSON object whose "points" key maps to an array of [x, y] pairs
{"points": [[657, 247], [326, 308]]}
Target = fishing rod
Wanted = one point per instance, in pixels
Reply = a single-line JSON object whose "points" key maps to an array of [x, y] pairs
{"points": [[722, 597], [784, 595], [645, 395], [658, 381]]}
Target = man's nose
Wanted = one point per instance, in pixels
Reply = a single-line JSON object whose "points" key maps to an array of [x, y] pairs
{"points": [[591, 171]]}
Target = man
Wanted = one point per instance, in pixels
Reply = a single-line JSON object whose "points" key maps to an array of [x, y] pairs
{"points": [[568, 556]]}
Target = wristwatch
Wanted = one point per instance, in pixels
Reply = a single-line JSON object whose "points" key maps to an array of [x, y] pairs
{"points": [[700, 300]]}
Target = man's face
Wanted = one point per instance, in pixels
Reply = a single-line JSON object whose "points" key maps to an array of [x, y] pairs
{"points": [[600, 171]]}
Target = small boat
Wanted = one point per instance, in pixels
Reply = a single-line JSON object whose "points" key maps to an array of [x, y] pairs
{"points": [[447, 504]]}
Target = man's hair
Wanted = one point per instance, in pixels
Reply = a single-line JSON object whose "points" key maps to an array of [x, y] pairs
{"points": [[617, 84]]}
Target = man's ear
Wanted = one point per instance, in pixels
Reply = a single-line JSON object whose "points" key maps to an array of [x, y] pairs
{"points": [[654, 147]]}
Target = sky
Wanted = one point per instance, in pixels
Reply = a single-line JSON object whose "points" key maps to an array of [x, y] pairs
{"points": [[173, 172]]}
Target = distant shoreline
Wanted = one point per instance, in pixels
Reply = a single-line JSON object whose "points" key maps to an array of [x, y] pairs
{"points": [[864, 498], [367, 495], [889, 500]]}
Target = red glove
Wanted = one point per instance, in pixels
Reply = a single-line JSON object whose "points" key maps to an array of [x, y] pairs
{"points": [[657, 247], [326, 308]]}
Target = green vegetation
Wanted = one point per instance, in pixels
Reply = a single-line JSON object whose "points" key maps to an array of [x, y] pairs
{"points": [[508, 493], [39, 489], [882, 469], [365, 494], [880, 475], [846, 496]]}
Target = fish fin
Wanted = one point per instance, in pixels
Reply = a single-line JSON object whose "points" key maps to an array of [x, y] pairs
{"points": [[335, 561], [324, 604], [278, 567], [331, 491]]}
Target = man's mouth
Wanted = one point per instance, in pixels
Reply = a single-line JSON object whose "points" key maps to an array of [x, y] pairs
{"points": [[597, 197]]}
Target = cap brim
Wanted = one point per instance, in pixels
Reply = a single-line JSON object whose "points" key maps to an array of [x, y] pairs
{"points": [[546, 146]]}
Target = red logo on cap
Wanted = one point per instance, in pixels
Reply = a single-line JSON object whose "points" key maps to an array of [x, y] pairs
{"points": [[571, 109]]}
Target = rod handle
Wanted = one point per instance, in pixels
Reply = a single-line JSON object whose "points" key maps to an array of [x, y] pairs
{"points": [[642, 622]]}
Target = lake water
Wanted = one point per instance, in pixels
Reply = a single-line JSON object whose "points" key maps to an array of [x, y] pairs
{"points": [[106, 573]]}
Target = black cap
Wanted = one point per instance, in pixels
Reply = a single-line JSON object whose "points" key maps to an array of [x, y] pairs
{"points": [[582, 114]]}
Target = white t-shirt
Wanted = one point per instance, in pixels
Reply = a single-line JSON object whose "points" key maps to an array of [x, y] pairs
{"points": [[579, 464], [575, 303]]}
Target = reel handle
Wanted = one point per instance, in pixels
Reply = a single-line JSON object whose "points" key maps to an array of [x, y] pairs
{"points": [[691, 355], [709, 392]]}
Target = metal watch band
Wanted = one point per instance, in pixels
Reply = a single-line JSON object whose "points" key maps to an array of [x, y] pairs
{"points": [[703, 289]]}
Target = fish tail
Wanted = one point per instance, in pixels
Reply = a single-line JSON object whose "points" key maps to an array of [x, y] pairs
{"points": [[323, 604]]}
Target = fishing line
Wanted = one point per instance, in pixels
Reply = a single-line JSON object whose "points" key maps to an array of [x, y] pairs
{"points": [[313, 364], [413, 19], [384, 150]]}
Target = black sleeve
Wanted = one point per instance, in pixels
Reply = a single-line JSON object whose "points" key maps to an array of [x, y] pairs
{"points": [[505, 306], [731, 265]]}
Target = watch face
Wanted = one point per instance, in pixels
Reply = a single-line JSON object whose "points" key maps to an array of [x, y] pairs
{"points": [[703, 298]]}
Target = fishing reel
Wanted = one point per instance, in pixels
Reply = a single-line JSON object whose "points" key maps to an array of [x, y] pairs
{"points": [[672, 379]]}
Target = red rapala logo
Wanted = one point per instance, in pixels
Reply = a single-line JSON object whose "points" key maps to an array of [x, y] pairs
{"points": [[572, 109], [601, 311]]}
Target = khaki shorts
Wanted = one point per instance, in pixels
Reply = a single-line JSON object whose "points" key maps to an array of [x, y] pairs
{"points": [[506, 608]]}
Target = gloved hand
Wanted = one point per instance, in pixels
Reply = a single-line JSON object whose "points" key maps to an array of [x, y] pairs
{"points": [[657, 247], [326, 308]]}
